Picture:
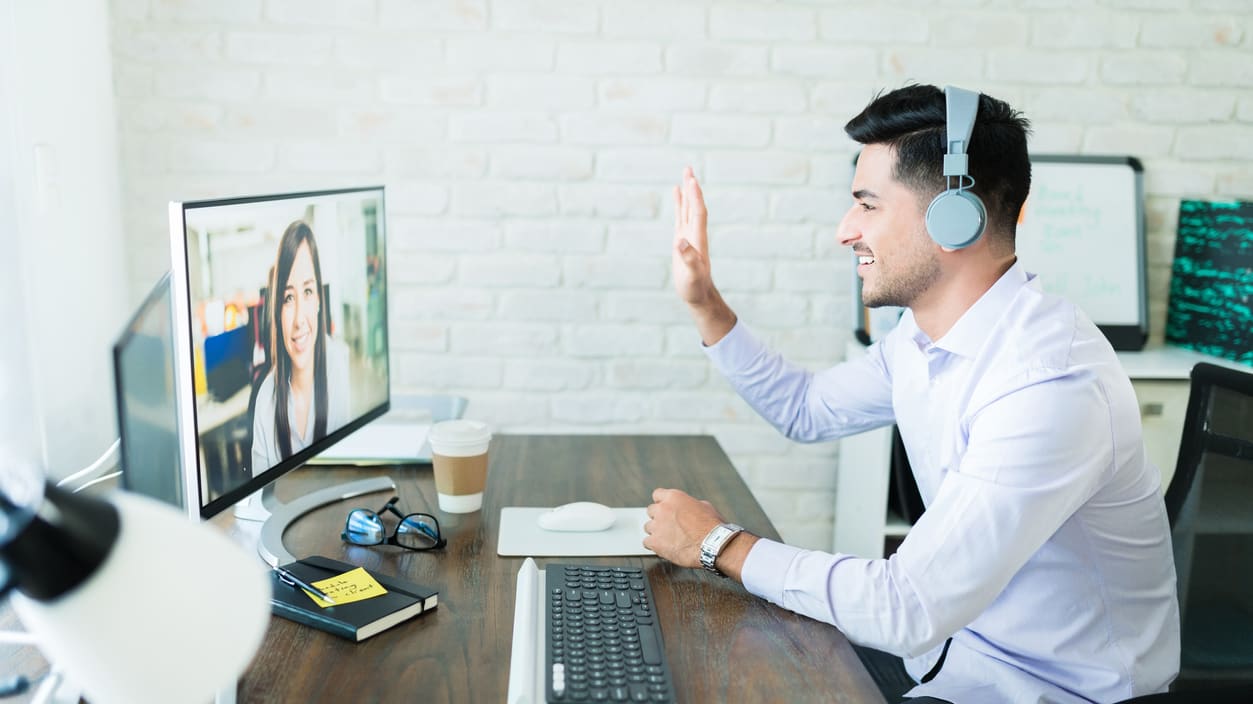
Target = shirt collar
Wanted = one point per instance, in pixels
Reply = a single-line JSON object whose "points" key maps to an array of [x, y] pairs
{"points": [[971, 330]]}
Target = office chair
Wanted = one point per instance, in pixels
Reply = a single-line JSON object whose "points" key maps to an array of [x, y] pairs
{"points": [[1210, 506]]}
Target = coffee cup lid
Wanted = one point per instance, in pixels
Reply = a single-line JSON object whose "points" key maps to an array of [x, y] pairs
{"points": [[461, 433]]}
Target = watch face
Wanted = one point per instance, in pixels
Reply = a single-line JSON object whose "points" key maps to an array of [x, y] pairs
{"points": [[713, 543], [715, 536]]}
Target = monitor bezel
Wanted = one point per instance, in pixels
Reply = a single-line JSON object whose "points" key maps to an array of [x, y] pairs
{"points": [[184, 341]]}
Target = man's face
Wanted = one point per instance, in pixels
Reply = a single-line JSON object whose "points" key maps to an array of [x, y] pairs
{"points": [[886, 227]]}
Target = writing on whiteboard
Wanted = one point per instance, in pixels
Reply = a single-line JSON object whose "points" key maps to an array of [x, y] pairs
{"points": [[1079, 230], [1065, 214]]}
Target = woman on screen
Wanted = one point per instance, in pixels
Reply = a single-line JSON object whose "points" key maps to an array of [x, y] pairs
{"points": [[300, 400]]}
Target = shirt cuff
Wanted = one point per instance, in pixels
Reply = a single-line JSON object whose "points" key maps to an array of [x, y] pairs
{"points": [[766, 567], [735, 350]]}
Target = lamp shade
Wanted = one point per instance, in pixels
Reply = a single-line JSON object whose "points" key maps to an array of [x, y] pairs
{"points": [[173, 613]]}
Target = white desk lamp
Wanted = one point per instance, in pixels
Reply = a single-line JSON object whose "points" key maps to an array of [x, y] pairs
{"points": [[129, 598]]}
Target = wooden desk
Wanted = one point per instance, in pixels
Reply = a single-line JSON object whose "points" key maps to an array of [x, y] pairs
{"points": [[723, 644]]}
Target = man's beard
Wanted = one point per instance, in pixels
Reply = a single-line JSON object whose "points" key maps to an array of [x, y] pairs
{"points": [[902, 285]]}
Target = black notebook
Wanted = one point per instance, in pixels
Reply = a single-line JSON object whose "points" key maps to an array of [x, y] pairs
{"points": [[356, 620]]}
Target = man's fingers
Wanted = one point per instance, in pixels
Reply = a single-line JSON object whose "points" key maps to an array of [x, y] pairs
{"points": [[678, 210], [660, 494], [689, 209], [698, 212]]}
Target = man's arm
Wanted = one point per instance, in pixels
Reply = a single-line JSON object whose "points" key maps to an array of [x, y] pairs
{"points": [[1014, 488], [693, 280], [793, 400]]}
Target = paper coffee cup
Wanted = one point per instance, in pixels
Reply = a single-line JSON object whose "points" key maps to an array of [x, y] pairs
{"points": [[459, 457]]}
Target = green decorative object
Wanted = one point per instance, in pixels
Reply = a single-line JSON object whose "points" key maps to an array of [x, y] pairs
{"points": [[1211, 285]]}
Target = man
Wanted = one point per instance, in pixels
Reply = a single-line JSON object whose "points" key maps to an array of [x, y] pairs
{"points": [[1041, 570]]}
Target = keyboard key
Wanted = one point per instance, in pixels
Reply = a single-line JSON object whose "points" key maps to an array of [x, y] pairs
{"points": [[650, 648]]}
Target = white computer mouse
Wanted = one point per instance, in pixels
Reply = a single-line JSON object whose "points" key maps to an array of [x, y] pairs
{"points": [[579, 516]]}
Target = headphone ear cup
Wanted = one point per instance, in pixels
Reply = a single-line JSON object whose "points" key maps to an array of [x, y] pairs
{"points": [[956, 219]]}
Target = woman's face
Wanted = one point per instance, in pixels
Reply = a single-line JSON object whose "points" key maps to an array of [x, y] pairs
{"points": [[301, 303]]}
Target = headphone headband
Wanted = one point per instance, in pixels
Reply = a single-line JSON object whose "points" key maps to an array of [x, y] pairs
{"points": [[960, 108], [956, 217]]}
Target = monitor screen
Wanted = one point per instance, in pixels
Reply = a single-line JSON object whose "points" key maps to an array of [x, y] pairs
{"points": [[280, 314], [147, 402]]}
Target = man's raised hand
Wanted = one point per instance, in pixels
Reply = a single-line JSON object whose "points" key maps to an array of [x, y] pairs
{"points": [[690, 263], [690, 254]]}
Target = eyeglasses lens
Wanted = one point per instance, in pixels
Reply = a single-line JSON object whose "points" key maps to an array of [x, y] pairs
{"points": [[364, 528], [417, 531]]}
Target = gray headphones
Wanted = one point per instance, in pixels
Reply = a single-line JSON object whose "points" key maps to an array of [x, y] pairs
{"points": [[956, 218]]}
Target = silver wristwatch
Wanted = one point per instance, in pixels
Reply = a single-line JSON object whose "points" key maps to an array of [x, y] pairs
{"points": [[711, 547]]}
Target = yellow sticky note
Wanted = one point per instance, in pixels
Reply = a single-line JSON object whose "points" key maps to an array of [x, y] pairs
{"points": [[353, 585]]}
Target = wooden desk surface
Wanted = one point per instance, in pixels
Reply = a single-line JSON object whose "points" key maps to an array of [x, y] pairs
{"points": [[723, 644]]}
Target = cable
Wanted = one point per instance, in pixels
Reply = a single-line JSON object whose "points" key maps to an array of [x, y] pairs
{"points": [[107, 461], [97, 480], [50, 690]]}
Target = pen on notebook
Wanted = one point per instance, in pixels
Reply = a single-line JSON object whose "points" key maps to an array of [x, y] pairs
{"points": [[299, 583]]}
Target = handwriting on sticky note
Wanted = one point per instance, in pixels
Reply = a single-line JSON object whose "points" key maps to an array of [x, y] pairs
{"points": [[353, 585]]}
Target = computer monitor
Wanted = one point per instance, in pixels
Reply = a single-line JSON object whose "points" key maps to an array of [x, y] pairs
{"points": [[147, 403], [280, 342]]}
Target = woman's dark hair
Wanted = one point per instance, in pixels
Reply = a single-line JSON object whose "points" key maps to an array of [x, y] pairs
{"points": [[912, 121], [297, 233]]}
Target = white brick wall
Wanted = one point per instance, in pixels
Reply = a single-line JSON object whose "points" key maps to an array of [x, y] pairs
{"points": [[529, 147], [433, 15]]}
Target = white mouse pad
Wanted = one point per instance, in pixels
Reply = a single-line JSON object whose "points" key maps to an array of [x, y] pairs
{"points": [[521, 536]]}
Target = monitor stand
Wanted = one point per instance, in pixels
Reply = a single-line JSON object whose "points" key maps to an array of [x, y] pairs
{"points": [[276, 516]]}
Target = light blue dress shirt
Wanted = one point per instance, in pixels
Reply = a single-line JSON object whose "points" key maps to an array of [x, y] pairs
{"points": [[1044, 550]]}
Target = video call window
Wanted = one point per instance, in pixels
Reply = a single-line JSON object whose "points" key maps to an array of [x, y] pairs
{"points": [[287, 316]]}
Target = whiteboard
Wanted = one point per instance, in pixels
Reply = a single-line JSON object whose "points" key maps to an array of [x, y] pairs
{"points": [[1082, 231]]}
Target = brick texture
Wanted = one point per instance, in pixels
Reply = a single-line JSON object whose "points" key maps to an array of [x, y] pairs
{"points": [[529, 148]]}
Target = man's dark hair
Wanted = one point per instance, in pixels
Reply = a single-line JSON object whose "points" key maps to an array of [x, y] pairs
{"points": [[912, 121]]}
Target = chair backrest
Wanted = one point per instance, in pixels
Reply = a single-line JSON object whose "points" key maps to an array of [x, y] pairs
{"points": [[1210, 506], [1213, 425]]}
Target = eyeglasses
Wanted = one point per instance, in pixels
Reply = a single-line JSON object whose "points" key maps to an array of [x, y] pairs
{"points": [[416, 531]]}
